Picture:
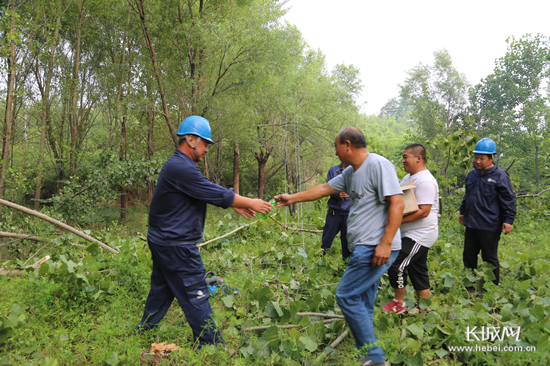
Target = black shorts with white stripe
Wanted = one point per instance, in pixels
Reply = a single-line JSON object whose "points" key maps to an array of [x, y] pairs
{"points": [[411, 262]]}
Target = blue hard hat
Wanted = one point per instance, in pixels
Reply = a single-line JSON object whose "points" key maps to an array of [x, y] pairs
{"points": [[485, 146], [196, 125]]}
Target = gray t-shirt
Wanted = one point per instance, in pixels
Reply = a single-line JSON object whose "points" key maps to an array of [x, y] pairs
{"points": [[367, 188]]}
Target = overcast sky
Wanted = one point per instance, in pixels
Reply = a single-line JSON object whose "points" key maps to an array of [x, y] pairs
{"points": [[384, 39]]}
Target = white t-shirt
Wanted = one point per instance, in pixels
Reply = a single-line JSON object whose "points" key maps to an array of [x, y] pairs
{"points": [[424, 231]]}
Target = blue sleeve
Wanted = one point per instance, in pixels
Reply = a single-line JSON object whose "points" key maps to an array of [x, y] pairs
{"points": [[507, 199], [331, 174], [197, 186], [466, 194]]}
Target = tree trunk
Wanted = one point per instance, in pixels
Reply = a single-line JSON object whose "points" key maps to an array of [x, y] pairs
{"points": [[149, 43], [236, 168], [73, 122], [122, 157], [8, 127], [150, 147], [44, 116], [262, 159]]}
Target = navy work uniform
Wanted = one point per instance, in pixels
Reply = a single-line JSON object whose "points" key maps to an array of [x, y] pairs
{"points": [[337, 216], [488, 203], [176, 223]]}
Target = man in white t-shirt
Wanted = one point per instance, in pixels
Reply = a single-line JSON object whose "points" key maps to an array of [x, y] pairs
{"points": [[419, 232]]}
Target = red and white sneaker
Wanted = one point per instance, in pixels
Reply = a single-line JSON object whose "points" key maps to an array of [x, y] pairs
{"points": [[394, 307]]}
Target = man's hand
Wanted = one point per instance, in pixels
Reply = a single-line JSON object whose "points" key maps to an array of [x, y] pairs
{"points": [[284, 200], [261, 206], [461, 220], [506, 228], [247, 213], [381, 254], [343, 195]]}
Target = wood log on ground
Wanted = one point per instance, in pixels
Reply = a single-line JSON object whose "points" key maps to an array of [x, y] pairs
{"points": [[6, 234], [335, 343], [58, 223], [19, 272]]}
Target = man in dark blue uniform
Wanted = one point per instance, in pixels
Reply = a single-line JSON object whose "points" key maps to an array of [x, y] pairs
{"points": [[337, 215], [488, 208], [176, 223]]}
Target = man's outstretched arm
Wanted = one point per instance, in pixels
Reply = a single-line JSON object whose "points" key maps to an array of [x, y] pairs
{"points": [[311, 194]]}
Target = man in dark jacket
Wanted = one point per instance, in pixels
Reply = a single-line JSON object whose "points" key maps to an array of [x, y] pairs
{"points": [[337, 215], [176, 223], [488, 208]]}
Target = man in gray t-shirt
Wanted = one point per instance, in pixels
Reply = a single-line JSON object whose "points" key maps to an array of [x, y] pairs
{"points": [[376, 210]]}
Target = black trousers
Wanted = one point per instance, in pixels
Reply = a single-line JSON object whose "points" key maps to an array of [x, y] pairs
{"points": [[485, 241], [178, 272], [335, 223]]}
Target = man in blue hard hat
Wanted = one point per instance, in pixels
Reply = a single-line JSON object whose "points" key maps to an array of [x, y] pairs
{"points": [[337, 215], [176, 222], [488, 208]]}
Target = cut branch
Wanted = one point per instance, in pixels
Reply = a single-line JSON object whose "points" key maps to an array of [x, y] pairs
{"points": [[58, 223], [262, 327], [6, 234], [335, 343], [296, 229], [223, 236], [535, 194]]}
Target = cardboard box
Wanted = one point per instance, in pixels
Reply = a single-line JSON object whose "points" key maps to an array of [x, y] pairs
{"points": [[409, 197]]}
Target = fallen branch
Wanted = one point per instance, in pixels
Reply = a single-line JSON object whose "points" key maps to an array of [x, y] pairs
{"points": [[223, 236], [321, 315], [334, 344], [535, 194], [296, 229], [262, 327], [58, 223], [6, 234], [329, 284], [19, 272]]}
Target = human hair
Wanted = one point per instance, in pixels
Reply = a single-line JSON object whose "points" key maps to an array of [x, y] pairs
{"points": [[418, 149], [353, 135]]}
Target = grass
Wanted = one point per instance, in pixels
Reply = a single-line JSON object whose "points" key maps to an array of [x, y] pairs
{"points": [[70, 329]]}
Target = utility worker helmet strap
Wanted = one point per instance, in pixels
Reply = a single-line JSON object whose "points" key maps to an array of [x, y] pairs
{"points": [[485, 146], [198, 126]]}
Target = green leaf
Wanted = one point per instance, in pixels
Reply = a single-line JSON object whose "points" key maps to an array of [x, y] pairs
{"points": [[271, 335], [416, 360], [441, 352], [425, 303], [277, 308], [310, 344], [416, 329], [228, 301]]}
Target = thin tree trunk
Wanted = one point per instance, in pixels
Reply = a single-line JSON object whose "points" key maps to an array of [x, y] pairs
{"points": [[44, 116], [236, 168], [74, 91], [261, 177], [150, 147], [8, 127], [122, 157], [149, 43]]}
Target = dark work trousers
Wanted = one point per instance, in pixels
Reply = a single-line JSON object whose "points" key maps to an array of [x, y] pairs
{"points": [[485, 241], [335, 223], [178, 272]]}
